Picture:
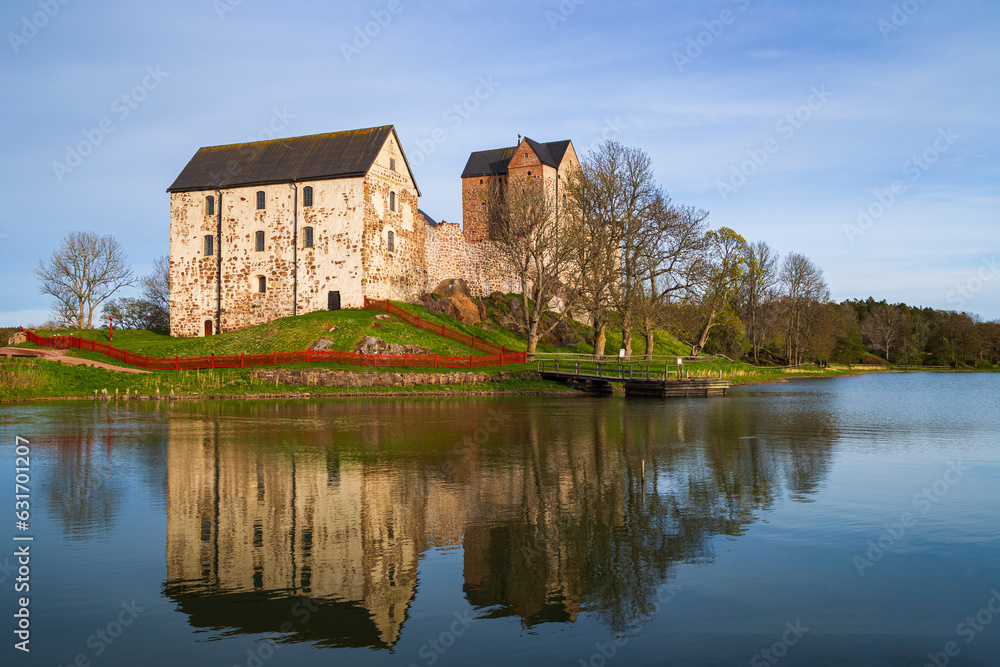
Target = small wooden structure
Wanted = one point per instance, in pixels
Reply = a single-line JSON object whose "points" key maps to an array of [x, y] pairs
{"points": [[598, 377]]}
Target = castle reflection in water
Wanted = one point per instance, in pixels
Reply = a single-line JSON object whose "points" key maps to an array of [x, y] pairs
{"points": [[559, 508]]}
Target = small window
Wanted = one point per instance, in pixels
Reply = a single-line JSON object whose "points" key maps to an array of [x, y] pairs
{"points": [[260, 200], [307, 237], [392, 201], [392, 164], [307, 196], [259, 241], [480, 181], [564, 200], [262, 284], [482, 207], [529, 174], [209, 245], [210, 205], [392, 242]]}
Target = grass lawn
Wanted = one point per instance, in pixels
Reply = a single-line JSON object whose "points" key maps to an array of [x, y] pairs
{"points": [[288, 334], [29, 378]]}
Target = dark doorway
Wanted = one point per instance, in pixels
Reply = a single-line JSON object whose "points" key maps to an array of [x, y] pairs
{"points": [[208, 327], [333, 301]]}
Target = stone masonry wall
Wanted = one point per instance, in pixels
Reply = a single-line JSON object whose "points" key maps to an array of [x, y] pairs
{"points": [[401, 273], [327, 378], [333, 264], [351, 220]]}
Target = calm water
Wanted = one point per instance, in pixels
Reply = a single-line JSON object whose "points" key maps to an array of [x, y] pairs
{"points": [[827, 522]]}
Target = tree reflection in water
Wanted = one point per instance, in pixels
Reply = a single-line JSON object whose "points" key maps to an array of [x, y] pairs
{"points": [[569, 507]]}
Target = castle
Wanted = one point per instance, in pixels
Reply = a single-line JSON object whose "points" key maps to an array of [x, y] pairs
{"points": [[271, 229]]}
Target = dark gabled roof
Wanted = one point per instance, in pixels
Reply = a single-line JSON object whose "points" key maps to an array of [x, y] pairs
{"points": [[318, 156], [558, 149], [428, 219], [495, 162], [542, 151], [489, 163]]}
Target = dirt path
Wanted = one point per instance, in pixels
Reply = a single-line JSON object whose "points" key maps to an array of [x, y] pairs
{"points": [[60, 356]]}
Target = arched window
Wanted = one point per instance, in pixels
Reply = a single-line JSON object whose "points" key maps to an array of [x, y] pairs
{"points": [[392, 241], [262, 284], [259, 241], [392, 201], [482, 207], [307, 237], [307, 196], [209, 205], [209, 245], [260, 200]]}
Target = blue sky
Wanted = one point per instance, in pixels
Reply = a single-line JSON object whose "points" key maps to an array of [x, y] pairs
{"points": [[786, 120]]}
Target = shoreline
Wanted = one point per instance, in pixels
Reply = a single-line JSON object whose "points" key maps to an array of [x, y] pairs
{"points": [[470, 389]]}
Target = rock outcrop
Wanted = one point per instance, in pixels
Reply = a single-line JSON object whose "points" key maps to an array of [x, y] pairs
{"points": [[375, 345]]}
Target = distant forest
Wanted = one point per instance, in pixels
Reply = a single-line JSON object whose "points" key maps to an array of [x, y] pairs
{"points": [[858, 331]]}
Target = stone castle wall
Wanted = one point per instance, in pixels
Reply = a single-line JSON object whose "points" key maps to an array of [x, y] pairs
{"points": [[451, 254], [350, 219], [400, 273]]}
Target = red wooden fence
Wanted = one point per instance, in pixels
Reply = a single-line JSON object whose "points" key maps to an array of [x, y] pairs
{"points": [[497, 356]]}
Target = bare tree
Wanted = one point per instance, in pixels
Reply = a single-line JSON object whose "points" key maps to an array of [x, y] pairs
{"points": [[594, 232], [655, 243], [156, 287], [83, 272], [712, 292], [757, 293], [803, 289], [881, 327], [524, 230], [674, 257], [637, 202]]}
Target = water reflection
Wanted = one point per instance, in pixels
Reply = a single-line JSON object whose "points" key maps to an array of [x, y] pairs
{"points": [[83, 488], [560, 508]]}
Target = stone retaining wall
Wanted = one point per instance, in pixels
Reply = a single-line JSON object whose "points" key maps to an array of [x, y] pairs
{"points": [[324, 378]]}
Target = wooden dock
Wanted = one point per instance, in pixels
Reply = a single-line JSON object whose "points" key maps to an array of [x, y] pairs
{"points": [[599, 377]]}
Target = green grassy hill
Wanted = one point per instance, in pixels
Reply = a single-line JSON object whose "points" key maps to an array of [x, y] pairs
{"points": [[345, 328]]}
